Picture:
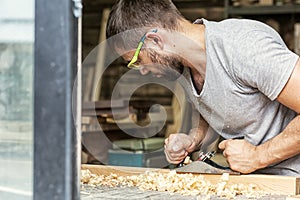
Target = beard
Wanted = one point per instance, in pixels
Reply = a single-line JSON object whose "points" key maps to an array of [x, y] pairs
{"points": [[170, 67]]}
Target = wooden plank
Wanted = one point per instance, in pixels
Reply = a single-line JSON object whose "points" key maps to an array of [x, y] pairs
{"points": [[120, 170], [266, 2], [100, 57], [284, 185], [294, 197], [270, 183], [105, 112], [88, 82], [103, 104]]}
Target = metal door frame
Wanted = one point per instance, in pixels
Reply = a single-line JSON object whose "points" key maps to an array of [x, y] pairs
{"points": [[57, 60]]}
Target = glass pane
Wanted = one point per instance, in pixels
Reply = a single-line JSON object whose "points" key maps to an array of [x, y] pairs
{"points": [[16, 98]]}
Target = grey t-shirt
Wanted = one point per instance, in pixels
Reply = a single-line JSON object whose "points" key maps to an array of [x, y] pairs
{"points": [[248, 64]]}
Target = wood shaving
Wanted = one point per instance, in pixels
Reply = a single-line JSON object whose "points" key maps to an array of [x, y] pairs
{"points": [[187, 160], [185, 184]]}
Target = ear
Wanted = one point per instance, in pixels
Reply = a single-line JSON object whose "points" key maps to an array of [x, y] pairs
{"points": [[156, 39]]}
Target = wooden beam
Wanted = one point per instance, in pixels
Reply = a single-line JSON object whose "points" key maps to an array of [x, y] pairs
{"points": [[100, 57], [284, 185], [119, 170], [295, 197]]}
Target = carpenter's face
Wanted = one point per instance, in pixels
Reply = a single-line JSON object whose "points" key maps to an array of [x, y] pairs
{"points": [[161, 66]]}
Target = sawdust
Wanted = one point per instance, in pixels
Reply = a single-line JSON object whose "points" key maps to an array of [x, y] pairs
{"points": [[185, 184]]}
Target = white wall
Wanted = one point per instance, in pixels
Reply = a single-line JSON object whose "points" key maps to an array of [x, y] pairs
{"points": [[17, 9], [16, 21]]}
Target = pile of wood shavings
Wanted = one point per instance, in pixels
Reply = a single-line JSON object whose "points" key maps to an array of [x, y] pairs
{"points": [[185, 184]]}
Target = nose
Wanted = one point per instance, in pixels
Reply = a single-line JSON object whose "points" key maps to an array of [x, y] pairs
{"points": [[144, 71]]}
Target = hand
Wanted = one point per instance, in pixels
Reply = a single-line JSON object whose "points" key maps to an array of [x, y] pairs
{"points": [[178, 146], [241, 155]]}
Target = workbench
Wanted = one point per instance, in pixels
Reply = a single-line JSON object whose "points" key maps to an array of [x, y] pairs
{"points": [[287, 186]]}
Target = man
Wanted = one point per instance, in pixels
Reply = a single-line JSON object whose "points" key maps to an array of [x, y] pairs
{"points": [[246, 82]]}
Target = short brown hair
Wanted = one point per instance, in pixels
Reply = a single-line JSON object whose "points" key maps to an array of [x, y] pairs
{"points": [[133, 14]]}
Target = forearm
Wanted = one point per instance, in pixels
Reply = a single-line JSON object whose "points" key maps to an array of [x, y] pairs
{"points": [[281, 147], [199, 129]]}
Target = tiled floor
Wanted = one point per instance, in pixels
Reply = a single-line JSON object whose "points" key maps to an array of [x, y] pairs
{"points": [[107, 193], [117, 193]]}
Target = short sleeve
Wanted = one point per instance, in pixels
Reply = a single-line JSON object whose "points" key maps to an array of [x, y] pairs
{"points": [[263, 61]]}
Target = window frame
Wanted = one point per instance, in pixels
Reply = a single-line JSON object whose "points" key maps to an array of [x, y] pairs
{"points": [[56, 62]]}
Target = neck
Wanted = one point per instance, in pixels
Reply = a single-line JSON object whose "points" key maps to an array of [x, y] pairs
{"points": [[189, 44], [196, 52]]}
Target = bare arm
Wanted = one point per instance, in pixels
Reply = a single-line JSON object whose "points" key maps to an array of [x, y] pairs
{"points": [[287, 143], [246, 158], [179, 145], [199, 128]]}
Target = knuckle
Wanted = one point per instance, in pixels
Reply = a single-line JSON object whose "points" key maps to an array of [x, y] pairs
{"points": [[225, 153]]}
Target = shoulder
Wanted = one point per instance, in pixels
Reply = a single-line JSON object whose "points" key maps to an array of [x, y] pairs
{"points": [[239, 28], [290, 94]]}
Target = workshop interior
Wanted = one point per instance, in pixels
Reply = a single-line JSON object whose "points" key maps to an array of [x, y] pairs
{"points": [[71, 108]]}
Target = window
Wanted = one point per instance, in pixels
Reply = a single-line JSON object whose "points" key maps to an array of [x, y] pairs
{"points": [[16, 98]]}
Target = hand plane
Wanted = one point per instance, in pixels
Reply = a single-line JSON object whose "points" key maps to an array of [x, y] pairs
{"points": [[204, 165]]}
